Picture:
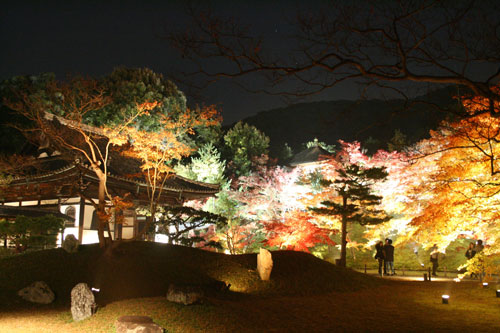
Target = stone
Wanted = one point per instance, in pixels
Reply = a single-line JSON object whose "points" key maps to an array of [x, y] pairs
{"points": [[70, 244], [82, 302], [136, 324], [264, 264], [37, 292], [186, 295]]}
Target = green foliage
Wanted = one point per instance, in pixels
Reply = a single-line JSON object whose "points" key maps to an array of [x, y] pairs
{"points": [[32, 232], [354, 186], [314, 179], [398, 142], [131, 86], [285, 154], [34, 85], [206, 166], [244, 143], [372, 144], [12, 140], [126, 87], [207, 134], [321, 144], [178, 222]]}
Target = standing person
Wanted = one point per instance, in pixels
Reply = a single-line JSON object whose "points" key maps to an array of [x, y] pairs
{"points": [[434, 259], [479, 246], [380, 257], [389, 257], [470, 253]]}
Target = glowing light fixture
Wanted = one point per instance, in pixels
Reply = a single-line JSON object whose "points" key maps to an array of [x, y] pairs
{"points": [[485, 284], [445, 298], [498, 292], [96, 290]]}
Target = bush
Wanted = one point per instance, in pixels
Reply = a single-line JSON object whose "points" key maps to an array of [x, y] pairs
{"points": [[32, 232]]}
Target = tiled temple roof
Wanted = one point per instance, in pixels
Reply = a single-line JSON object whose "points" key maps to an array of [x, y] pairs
{"points": [[310, 155]]}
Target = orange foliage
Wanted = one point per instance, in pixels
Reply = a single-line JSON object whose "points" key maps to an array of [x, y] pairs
{"points": [[459, 188], [157, 149], [297, 232]]}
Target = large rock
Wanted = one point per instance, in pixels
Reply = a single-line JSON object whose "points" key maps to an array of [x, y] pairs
{"points": [[37, 292], [82, 302], [70, 244], [137, 324], [184, 294], [264, 264]]}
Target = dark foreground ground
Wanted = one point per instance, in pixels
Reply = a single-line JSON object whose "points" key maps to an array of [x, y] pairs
{"points": [[305, 294]]}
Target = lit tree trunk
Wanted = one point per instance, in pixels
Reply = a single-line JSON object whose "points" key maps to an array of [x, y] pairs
{"points": [[101, 205], [343, 252]]}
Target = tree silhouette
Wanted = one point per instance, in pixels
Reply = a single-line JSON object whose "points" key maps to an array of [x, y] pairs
{"points": [[354, 200], [379, 44]]}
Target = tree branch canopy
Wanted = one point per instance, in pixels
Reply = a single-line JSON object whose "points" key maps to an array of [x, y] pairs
{"points": [[382, 43]]}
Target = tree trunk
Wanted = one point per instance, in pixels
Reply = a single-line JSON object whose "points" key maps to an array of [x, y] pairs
{"points": [[101, 207], [343, 249]]}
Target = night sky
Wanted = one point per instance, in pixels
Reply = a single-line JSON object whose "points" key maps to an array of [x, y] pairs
{"points": [[92, 37]]}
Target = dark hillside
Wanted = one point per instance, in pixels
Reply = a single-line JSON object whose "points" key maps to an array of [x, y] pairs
{"points": [[330, 121], [140, 269]]}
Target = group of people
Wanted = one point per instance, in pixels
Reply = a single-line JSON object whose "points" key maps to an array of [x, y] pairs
{"points": [[385, 257], [470, 253], [473, 249]]}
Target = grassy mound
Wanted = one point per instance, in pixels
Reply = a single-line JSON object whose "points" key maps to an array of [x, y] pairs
{"points": [[141, 269]]}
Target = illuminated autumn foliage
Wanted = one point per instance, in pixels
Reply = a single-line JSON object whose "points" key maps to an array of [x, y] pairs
{"points": [[298, 231], [157, 149], [459, 194], [58, 113], [455, 190], [348, 191]]}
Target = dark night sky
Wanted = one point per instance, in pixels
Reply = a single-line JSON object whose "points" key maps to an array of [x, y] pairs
{"points": [[93, 37]]}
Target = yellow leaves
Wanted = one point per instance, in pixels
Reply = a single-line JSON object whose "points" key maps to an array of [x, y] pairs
{"points": [[459, 190], [477, 104], [147, 106]]}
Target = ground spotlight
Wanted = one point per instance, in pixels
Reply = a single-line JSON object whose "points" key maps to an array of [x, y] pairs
{"points": [[445, 298], [485, 284], [498, 293]]}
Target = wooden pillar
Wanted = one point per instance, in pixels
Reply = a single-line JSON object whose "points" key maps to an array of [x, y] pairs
{"points": [[39, 195], [59, 210], [136, 223], [81, 220]]}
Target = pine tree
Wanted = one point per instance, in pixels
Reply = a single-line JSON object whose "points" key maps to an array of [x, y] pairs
{"points": [[354, 200]]}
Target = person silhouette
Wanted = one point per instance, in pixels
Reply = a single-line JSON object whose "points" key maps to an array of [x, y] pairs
{"points": [[434, 259], [389, 257], [380, 256]]}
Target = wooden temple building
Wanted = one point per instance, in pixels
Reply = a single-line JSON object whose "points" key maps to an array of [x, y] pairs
{"points": [[58, 191], [310, 158], [64, 186]]}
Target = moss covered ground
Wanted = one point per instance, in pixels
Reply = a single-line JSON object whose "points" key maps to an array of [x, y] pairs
{"points": [[305, 294]]}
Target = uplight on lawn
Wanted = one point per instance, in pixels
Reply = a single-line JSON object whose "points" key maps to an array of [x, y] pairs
{"points": [[485, 284], [498, 293], [445, 298]]}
